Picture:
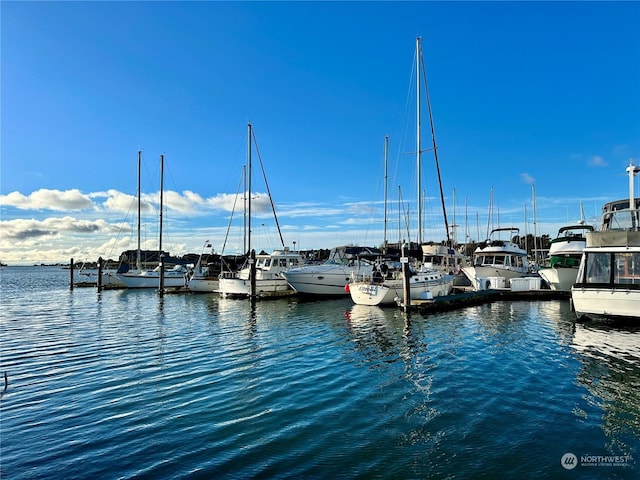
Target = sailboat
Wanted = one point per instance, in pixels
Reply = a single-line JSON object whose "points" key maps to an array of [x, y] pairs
{"points": [[386, 283], [262, 275], [203, 278], [110, 278], [157, 277]]}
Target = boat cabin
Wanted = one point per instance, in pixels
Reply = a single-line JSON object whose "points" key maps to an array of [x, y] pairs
{"points": [[505, 260]]}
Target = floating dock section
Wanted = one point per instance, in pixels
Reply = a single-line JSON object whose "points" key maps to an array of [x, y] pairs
{"points": [[464, 299]]}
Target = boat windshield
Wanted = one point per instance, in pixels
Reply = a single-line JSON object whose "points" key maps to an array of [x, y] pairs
{"points": [[598, 268], [622, 220]]}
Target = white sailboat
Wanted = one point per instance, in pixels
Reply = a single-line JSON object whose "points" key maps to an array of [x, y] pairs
{"points": [[262, 275], [385, 285], [608, 280], [109, 278], [202, 279], [158, 277]]}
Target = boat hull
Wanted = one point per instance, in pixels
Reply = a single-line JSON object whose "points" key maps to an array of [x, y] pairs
{"points": [[390, 292], [327, 280], [560, 279], [108, 279], [151, 280], [203, 285], [606, 303], [239, 287], [479, 272]]}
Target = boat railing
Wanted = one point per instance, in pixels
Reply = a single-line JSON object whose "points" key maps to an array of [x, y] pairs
{"points": [[228, 275], [375, 277]]}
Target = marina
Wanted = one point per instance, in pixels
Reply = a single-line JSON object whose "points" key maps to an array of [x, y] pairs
{"points": [[126, 383], [358, 313]]}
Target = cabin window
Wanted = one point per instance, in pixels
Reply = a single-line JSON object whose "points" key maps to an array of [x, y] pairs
{"points": [[488, 260], [598, 268], [626, 268], [499, 260]]}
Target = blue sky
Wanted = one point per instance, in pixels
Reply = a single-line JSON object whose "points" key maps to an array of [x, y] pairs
{"points": [[523, 93]]}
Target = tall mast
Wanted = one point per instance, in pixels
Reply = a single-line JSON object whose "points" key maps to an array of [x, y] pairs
{"points": [[161, 203], [418, 140], [632, 170], [244, 208], [386, 156], [138, 251], [535, 224], [435, 155], [249, 186]]}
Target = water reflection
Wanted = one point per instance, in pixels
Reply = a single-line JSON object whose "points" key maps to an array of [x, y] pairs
{"points": [[397, 347], [610, 357], [382, 333]]}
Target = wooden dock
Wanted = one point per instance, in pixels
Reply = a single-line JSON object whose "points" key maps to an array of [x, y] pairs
{"points": [[464, 299]]}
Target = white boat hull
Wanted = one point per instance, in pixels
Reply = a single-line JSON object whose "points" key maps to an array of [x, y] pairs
{"points": [[239, 287], [560, 279], [475, 274], [605, 302], [203, 284], [328, 280], [151, 279], [109, 279], [391, 291]]}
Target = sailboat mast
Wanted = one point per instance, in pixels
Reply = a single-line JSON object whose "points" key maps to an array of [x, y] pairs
{"points": [[535, 224], [249, 186], [161, 201], [244, 208], [435, 153], [139, 194], [418, 139], [386, 159]]}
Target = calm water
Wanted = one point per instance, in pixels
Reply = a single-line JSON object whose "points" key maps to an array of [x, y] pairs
{"points": [[126, 384]]}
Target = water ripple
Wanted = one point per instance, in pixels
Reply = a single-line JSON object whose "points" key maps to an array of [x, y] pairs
{"points": [[125, 384]]}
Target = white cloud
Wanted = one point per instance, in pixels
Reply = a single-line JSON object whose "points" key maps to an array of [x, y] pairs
{"points": [[22, 229], [44, 199], [597, 161], [528, 179]]}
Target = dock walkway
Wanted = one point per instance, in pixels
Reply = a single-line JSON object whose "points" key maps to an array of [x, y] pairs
{"points": [[464, 299]]}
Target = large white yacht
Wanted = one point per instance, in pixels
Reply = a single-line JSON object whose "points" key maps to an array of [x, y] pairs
{"points": [[497, 258], [330, 277], [608, 281], [565, 253], [268, 276]]}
